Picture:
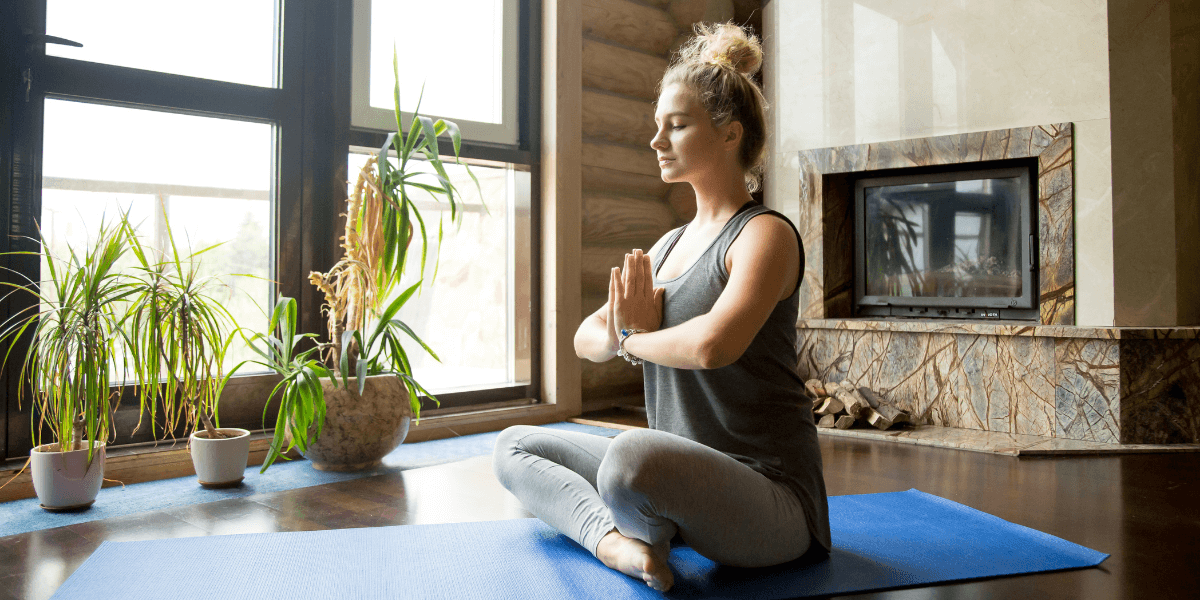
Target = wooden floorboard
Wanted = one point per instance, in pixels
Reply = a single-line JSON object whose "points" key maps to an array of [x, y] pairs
{"points": [[1142, 509]]}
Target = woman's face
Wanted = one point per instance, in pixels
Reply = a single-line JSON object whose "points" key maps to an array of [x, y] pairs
{"points": [[687, 144]]}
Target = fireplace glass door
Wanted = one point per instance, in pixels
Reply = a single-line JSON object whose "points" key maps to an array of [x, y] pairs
{"points": [[949, 244]]}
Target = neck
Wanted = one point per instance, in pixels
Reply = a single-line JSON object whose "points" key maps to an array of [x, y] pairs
{"points": [[719, 197]]}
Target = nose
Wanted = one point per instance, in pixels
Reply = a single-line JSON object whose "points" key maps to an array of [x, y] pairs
{"points": [[659, 141]]}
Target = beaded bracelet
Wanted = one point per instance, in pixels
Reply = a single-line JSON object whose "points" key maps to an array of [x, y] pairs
{"points": [[625, 334]]}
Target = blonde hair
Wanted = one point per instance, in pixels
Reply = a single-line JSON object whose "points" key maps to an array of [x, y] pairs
{"points": [[717, 65]]}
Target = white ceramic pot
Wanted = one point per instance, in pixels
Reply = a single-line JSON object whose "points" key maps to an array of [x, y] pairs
{"points": [[65, 480], [220, 462]]}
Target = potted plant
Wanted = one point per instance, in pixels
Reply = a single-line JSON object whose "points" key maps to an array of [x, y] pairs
{"points": [[177, 343], [354, 425], [75, 336]]}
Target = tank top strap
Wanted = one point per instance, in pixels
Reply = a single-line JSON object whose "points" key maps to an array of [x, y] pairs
{"points": [[731, 231]]}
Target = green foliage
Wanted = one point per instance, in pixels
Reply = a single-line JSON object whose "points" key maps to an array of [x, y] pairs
{"points": [[75, 333], [399, 183], [176, 334], [302, 405]]}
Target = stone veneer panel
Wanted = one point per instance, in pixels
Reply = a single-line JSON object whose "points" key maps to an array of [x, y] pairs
{"points": [[826, 207], [1107, 385], [982, 382], [1087, 398], [1160, 391]]}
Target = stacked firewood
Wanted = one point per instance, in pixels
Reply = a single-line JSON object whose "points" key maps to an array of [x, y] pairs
{"points": [[842, 405]]}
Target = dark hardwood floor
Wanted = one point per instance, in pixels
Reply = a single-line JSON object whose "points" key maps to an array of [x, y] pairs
{"points": [[1142, 509]]}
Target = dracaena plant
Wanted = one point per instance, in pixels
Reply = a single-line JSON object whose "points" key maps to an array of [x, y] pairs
{"points": [[179, 333], [365, 337], [75, 336]]}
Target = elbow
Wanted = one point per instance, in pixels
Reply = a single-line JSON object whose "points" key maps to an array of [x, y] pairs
{"points": [[715, 353]]}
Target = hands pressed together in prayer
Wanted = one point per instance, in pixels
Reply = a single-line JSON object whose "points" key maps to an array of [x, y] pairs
{"points": [[633, 301]]}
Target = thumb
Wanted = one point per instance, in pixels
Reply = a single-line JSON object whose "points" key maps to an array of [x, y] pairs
{"points": [[658, 295]]}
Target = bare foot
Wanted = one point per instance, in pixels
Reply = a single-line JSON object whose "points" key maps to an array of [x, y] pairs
{"points": [[636, 559]]}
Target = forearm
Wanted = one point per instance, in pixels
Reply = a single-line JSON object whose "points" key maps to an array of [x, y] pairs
{"points": [[592, 342], [685, 346]]}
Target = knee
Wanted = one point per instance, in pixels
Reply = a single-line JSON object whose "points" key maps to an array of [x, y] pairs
{"points": [[630, 464], [506, 449]]}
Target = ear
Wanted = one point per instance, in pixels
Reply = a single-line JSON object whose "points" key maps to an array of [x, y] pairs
{"points": [[733, 135]]}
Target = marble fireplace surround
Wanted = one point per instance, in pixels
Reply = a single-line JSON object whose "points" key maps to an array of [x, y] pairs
{"points": [[826, 220], [1052, 379]]}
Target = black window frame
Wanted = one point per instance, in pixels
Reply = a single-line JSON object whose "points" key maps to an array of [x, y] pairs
{"points": [[311, 111]]}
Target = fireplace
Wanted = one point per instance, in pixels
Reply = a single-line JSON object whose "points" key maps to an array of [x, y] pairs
{"points": [[827, 212], [950, 243], [1046, 377]]}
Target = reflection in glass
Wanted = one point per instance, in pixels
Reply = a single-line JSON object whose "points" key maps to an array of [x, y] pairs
{"points": [[948, 239]]}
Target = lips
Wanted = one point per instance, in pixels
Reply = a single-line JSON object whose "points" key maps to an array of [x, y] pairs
{"points": [[662, 162]]}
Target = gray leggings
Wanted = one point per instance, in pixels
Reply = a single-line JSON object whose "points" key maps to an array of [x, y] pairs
{"points": [[651, 485]]}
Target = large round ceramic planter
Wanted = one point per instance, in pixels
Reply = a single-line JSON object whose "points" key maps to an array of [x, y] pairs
{"points": [[220, 462], [65, 480], [360, 430]]}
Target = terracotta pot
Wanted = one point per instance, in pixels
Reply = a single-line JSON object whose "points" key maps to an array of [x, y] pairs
{"points": [[360, 430], [65, 480], [220, 462]]}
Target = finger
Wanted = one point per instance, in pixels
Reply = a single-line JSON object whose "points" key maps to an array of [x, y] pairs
{"points": [[628, 273], [612, 288], [612, 298], [639, 285], [648, 271]]}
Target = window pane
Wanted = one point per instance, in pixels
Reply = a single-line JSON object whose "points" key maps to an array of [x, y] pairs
{"points": [[225, 40], [212, 177], [476, 314], [452, 46]]}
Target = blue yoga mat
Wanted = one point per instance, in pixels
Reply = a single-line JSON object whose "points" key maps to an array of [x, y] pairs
{"points": [[880, 541], [20, 516]]}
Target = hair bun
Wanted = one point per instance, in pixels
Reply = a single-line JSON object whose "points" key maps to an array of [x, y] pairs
{"points": [[728, 45]]}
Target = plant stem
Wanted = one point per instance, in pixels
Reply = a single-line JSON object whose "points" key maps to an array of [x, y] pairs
{"points": [[213, 432], [77, 433]]}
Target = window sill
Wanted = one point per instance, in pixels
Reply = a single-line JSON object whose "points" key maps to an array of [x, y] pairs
{"points": [[150, 462]]}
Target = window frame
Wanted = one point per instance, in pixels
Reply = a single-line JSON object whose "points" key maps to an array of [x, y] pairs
{"points": [[310, 109]]}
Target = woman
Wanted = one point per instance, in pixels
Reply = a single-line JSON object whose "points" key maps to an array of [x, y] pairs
{"points": [[730, 463]]}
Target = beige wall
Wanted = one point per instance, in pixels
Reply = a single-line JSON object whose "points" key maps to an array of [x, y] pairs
{"points": [[841, 72]]}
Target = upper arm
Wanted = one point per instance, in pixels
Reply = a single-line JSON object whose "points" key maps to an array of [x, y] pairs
{"points": [[764, 265]]}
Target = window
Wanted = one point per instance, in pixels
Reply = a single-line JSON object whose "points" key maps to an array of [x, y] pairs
{"points": [[234, 119], [223, 40], [100, 161], [476, 316], [467, 61]]}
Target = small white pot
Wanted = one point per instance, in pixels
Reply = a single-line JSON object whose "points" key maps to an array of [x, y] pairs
{"points": [[65, 480], [221, 462]]}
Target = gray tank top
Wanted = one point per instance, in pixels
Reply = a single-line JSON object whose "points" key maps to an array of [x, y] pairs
{"points": [[755, 410]]}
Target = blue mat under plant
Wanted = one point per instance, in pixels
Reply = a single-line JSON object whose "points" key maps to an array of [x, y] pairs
{"points": [[20, 516], [881, 541]]}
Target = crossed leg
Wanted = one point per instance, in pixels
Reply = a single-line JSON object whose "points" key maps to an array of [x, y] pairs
{"points": [[624, 499]]}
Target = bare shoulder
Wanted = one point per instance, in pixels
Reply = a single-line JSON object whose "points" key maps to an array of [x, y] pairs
{"points": [[768, 245], [764, 235]]}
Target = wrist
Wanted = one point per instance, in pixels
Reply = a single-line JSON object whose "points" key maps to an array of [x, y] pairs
{"points": [[623, 352]]}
